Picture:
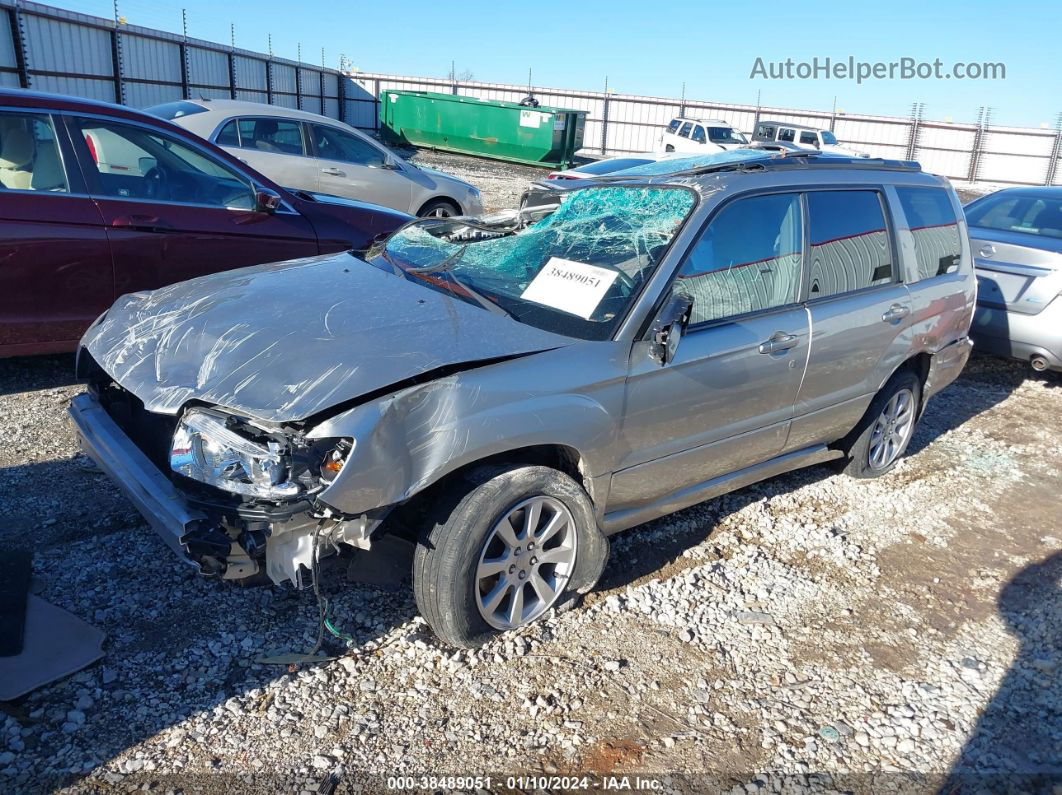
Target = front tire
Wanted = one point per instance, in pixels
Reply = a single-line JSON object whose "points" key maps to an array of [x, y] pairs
{"points": [[439, 208], [500, 550], [882, 436]]}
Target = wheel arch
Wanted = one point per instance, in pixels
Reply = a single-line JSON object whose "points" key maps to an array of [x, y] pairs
{"points": [[440, 197]]}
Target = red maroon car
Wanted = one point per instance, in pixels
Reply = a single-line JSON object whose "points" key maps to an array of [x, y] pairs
{"points": [[98, 200]]}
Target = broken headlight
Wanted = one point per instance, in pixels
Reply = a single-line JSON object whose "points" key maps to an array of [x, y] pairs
{"points": [[209, 447]]}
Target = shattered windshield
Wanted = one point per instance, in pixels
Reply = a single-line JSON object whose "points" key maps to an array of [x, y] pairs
{"points": [[574, 272]]}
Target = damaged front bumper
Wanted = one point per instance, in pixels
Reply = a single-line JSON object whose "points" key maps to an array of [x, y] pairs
{"points": [[217, 543]]}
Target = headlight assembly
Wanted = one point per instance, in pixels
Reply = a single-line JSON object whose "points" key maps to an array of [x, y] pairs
{"points": [[206, 448]]}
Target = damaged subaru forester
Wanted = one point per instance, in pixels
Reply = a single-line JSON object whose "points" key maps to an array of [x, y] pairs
{"points": [[507, 392]]}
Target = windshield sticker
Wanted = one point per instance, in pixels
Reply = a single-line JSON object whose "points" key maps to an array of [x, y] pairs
{"points": [[573, 287]]}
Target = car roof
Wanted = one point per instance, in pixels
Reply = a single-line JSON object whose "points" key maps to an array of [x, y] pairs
{"points": [[703, 121], [28, 98], [236, 107], [793, 124], [1035, 191]]}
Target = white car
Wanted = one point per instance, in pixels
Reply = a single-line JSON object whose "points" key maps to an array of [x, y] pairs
{"points": [[800, 137], [700, 136], [307, 151]]}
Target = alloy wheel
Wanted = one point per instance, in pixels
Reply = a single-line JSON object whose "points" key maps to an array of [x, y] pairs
{"points": [[892, 430], [527, 560]]}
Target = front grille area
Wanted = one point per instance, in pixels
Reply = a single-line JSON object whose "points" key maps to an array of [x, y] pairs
{"points": [[149, 431]]}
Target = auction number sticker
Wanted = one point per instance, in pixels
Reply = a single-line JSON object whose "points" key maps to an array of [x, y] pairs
{"points": [[573, 287]]}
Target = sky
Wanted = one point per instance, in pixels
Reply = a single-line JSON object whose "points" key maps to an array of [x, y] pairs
{"points": [[653, 48]]}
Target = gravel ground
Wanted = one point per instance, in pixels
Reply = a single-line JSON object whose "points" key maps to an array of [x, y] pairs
{"points": [[811, 632]]}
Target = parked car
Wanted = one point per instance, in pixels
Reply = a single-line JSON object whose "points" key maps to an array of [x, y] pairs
{"points": [[98, 200], [797, 135], [509, 396], [545, 193], [1016, 236], [686, 134], [313, 152]]}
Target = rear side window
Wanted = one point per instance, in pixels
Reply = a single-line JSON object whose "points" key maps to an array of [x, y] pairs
{"points": [[278, 136], [766, 131], [786, 134], [674, 125], [938, 248], [746, 260], [685, 131], [850, 247], [229, 135], [29, 155]]}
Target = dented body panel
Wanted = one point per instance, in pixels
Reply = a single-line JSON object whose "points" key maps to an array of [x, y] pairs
{"points": [[372, 380], [285, 341]]}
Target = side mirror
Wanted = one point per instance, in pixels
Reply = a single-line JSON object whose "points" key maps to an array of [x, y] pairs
{"points": [[669, 327], [266, 200]]}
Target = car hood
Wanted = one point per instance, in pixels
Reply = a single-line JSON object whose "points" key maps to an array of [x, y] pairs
{"points": [[288, 340]]}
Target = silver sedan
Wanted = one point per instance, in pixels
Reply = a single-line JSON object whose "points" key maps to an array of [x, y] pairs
{"points": [[307, 151], [1016, 236]]}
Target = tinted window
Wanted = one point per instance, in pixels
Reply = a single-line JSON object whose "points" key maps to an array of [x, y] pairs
{"points": [[272, 135], [29, 155], [1031, 214], [766, 131], [725, 135], [786, 134], [140, 163], [935, 228], [674, 125], [809, 138], [698, 134], [746, 260], [849, 243], [333, 144], [829, 138], [229, 135], [685, 131], [175, 110]]}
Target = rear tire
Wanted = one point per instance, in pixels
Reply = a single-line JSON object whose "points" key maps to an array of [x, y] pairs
{"points": [[669, 148], [439, 208], [499, 551], [882, 436]]}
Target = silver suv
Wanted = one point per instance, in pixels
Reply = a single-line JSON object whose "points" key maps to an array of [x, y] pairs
{"points": [[507, 394]]}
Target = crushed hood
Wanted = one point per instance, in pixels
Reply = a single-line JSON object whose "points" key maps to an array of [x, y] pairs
{"points": [[285, 341]]}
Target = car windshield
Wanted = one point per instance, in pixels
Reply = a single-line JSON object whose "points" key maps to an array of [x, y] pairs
{"points": [[726, 135], [175, 110], [1031, 214], [828, 137], [575, 272]]}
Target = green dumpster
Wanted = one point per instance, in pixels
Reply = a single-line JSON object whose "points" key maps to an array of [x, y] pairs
{"points": [[488, 128]]}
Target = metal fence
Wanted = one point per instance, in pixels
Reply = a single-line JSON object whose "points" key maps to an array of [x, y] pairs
{"points": [[51, 49], [618, 123]]}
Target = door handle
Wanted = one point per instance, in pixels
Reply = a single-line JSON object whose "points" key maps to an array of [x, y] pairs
{"points": [[779, 342], [895, 312], [333, 172], [142, 223]]}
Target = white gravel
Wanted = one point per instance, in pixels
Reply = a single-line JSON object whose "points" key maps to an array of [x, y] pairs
{"points": [[811, 632]]}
